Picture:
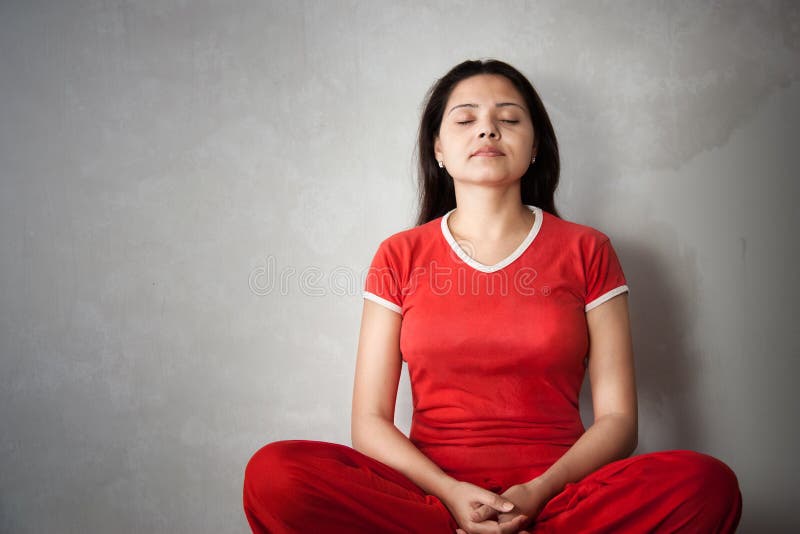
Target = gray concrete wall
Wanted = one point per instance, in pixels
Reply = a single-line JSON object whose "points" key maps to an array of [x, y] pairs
{"points": [[156, 157]]}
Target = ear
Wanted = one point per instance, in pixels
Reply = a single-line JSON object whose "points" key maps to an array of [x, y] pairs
{"points": [[437, 148]]}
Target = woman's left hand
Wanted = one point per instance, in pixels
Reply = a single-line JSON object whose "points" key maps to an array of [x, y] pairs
{"points": [[529, 500]]}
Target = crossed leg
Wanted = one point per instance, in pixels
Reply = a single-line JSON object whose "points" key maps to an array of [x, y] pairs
{"points": [[314, 486], [296, 485], [664, 491]]}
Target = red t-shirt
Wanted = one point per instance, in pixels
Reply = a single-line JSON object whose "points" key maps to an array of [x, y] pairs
{"points": [[496, 354]]}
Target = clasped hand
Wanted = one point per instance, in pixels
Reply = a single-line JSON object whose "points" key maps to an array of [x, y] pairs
{"points": [[480, 511]]}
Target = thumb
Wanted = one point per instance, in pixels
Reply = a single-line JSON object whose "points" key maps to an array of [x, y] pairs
{"points": [[497, 502], [489, 503]]}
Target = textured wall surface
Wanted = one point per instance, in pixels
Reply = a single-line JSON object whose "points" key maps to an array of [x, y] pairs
{"points": [[191, 191]]}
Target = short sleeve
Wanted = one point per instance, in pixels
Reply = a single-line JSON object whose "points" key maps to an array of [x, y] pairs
{"points": [[604, 276], [382, 284]]}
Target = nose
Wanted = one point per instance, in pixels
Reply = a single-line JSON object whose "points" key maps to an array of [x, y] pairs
{"points": [[488, 129]]}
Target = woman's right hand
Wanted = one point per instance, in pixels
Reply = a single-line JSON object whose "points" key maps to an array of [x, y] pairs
{"points": [[463, 498]]}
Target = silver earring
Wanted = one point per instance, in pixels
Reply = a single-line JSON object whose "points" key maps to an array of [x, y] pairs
{"points": [[533, 160], [441, 164]]}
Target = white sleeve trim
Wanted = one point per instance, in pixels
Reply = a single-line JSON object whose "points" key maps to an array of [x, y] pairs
{"points": [[604, 297], [383, 302]]}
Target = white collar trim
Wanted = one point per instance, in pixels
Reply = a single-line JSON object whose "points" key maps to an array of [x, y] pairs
{"points": [[537, 224]]}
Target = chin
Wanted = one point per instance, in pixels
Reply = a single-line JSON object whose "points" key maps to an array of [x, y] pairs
{"points": [[488, 178]]}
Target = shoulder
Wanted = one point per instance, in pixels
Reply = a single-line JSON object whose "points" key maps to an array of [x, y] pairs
{"points": [[405, 241], [570, 232]]}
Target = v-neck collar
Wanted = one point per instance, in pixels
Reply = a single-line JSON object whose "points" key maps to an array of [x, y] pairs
{"points": [[537, 224]]}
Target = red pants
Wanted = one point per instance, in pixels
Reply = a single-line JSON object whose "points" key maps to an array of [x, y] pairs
{"points": [[313, 486]]}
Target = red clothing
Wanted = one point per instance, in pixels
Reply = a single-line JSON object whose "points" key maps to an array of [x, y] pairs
{"points": [[496, 358], [496, 353], [296, 486]]}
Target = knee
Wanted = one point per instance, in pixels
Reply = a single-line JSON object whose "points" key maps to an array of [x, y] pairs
{"points": [[710, 479], [713, 471], [273, 471]]}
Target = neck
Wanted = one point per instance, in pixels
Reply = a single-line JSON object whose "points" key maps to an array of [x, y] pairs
{"points": [[490, 219]]}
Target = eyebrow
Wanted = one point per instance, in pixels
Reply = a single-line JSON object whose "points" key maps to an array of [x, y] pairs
{"points": [[499, 105]]}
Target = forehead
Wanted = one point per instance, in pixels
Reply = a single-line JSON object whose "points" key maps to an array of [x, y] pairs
{"points": [[484, 88]]}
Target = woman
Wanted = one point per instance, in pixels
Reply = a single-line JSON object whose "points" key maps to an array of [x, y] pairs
{"points": [[498, 306]]}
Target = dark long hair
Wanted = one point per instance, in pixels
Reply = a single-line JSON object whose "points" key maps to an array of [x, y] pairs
{"points": [[436, 194]]}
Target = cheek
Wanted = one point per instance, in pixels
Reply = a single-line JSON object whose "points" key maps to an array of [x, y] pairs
{"points": [[451, 142], [527, 137]]}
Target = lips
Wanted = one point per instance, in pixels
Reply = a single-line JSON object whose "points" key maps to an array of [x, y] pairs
{"points": [[488, 151]]}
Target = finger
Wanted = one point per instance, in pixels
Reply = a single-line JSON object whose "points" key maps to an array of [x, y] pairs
{"points": [[513, 525], [496, 502], [482, 513], [493, 527], [509, 527], [523, 520], [485, 527]]}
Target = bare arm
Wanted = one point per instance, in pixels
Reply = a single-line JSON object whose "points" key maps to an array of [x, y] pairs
{"points": [[613, 435], [378, 366]]}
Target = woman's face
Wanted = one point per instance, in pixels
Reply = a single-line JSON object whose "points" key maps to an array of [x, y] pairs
{"points": [[486, 135]]}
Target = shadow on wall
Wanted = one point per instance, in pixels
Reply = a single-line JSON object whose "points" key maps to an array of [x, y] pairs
{"points": [[661, 320], [662, 325]]}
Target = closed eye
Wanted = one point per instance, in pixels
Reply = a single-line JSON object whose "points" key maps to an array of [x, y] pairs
{"points": [[507, 121]]}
